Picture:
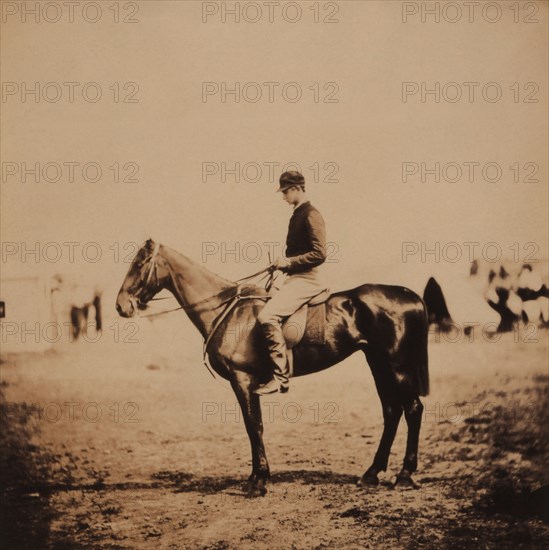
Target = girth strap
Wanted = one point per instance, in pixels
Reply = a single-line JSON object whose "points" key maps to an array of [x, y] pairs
{"points": [[223, 315]]}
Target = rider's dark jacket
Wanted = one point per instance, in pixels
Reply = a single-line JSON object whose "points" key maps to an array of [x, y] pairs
{"points": [[306, 240]]}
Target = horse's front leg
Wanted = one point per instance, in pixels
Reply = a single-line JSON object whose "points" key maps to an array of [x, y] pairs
{"points": [[242, 384]]}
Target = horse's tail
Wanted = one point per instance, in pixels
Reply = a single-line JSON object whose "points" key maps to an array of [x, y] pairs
{"points": [[422, 354], [411, 358], [414, 344]]}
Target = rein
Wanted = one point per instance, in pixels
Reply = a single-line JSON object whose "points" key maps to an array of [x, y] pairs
{"points": [[268, 272]]}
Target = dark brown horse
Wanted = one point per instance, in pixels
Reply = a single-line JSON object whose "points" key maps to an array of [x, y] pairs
{"points": [[387, 323]]}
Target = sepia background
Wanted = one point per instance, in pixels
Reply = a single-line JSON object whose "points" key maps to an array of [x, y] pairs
{"points": [[354, 134]]}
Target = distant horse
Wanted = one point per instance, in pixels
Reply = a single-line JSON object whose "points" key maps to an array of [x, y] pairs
{"points": [[387, 323], [80, 314], [76, 301]]}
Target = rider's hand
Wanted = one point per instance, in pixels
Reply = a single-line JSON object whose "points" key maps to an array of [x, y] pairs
{"points": [[281, 263]]}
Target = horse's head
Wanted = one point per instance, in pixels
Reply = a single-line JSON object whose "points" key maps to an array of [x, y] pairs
{"points": [[147, 276]]}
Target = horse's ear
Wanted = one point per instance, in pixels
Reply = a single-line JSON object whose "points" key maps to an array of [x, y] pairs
{"points": [[142, 236], [149, 244]]}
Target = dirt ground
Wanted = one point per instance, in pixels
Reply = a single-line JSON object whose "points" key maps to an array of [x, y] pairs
{"points": [[114, 445]]}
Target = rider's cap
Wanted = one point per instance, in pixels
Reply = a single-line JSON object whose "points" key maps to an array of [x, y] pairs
{"points": [[290, 179]]}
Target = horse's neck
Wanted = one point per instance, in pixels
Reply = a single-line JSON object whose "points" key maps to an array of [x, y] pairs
{"points": [[192, 284]]}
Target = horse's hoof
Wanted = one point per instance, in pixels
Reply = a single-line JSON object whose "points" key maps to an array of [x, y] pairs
{"points": [[255, 487], [368, 480], [405, 481], [254, 490]]}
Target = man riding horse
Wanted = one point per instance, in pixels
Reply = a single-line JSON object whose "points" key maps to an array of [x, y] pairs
{"points": [[305, 252], [387, 323]]}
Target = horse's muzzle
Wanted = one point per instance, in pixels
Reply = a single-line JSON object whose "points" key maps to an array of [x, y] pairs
{"points": [[125, 305]]}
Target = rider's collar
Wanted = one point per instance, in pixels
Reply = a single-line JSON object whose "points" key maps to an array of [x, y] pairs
{"points": [[300, 204]]}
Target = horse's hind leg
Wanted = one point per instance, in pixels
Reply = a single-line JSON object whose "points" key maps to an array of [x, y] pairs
{"points": [[413, 410], [75, 322], [98, 318], [392, 412]]}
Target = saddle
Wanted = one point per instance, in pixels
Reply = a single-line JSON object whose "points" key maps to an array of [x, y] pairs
{"points": [[307, 323]]}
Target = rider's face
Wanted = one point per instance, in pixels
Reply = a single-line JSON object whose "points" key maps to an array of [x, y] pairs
{"points": [[291, 195]]}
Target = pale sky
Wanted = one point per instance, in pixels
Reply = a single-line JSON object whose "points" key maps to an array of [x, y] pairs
{"points": [[368, 134]]}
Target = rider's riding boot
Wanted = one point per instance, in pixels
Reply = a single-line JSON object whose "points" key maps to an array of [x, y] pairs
{"points": [[277, 348]]}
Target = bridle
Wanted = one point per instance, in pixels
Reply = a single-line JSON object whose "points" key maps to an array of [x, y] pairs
{"points": [[144, 281], [153, 270]]}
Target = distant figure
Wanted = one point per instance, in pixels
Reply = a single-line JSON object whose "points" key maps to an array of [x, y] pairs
{"points": [[474, 267], [504, 301], [502, 298], [518, 293], [530, 285], [74, 300], [535, 296]]}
